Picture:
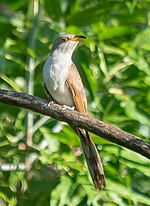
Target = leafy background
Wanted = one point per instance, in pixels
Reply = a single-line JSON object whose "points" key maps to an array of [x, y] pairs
{"points": [[40, 158]]}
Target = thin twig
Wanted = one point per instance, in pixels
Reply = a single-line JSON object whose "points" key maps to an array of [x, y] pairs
{"points": [[31, 66]]}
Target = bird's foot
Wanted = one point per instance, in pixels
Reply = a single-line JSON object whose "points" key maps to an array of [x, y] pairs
{"points": [[64, 107], [50, 103]]}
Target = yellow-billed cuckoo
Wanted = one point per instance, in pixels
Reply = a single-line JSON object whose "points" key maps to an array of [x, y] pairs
{"points": [[62, 83]]}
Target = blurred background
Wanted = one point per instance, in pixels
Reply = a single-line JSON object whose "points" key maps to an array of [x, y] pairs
{"points": [[41, 161]]}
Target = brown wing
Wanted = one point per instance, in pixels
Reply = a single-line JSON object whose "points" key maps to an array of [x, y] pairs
{"points": [[74, 83], [94, 163]]}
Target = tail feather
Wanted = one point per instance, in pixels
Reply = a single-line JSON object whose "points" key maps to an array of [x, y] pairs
{"points": [[93, 159]]}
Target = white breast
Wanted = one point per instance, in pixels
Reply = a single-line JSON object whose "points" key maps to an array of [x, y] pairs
{"points": [[55, 73]]}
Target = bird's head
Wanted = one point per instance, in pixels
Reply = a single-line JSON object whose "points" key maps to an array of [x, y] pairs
{"points": [[66, 43]]}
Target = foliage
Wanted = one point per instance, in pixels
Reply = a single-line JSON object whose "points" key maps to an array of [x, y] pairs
{"points": [[114, 64]]}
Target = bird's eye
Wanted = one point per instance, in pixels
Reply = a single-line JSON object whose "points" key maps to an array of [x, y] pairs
{"points": [[64, 39]]}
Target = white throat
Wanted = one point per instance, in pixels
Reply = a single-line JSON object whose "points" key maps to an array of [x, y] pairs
{"points": [[60, 64]]}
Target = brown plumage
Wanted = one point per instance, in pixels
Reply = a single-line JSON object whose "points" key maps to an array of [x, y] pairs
{"points": [[63, 84], [92, 157]]}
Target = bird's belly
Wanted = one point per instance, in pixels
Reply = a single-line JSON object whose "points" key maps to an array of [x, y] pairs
{"points": [[54, 78], [61, 95], [63, 98]]}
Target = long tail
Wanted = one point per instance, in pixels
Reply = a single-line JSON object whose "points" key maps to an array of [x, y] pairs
{"points": [[92, 158]]}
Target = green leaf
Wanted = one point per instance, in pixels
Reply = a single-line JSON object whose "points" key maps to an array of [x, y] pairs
{"points": [[53, 8]]}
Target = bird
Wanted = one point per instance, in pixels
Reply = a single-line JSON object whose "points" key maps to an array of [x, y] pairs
{"points": [[63, 85]]}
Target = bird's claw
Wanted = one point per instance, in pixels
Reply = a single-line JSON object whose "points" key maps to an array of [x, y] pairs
{"points": [[64, 107], [50, 103]]}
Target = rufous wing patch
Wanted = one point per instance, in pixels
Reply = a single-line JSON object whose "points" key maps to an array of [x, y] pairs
{"points": [[74, 83]]}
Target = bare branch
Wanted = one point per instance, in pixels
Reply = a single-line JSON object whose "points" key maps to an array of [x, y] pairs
{"points": [[91, 124]]}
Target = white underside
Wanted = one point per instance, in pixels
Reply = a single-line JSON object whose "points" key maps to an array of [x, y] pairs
{"points": [[55, 73]]}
